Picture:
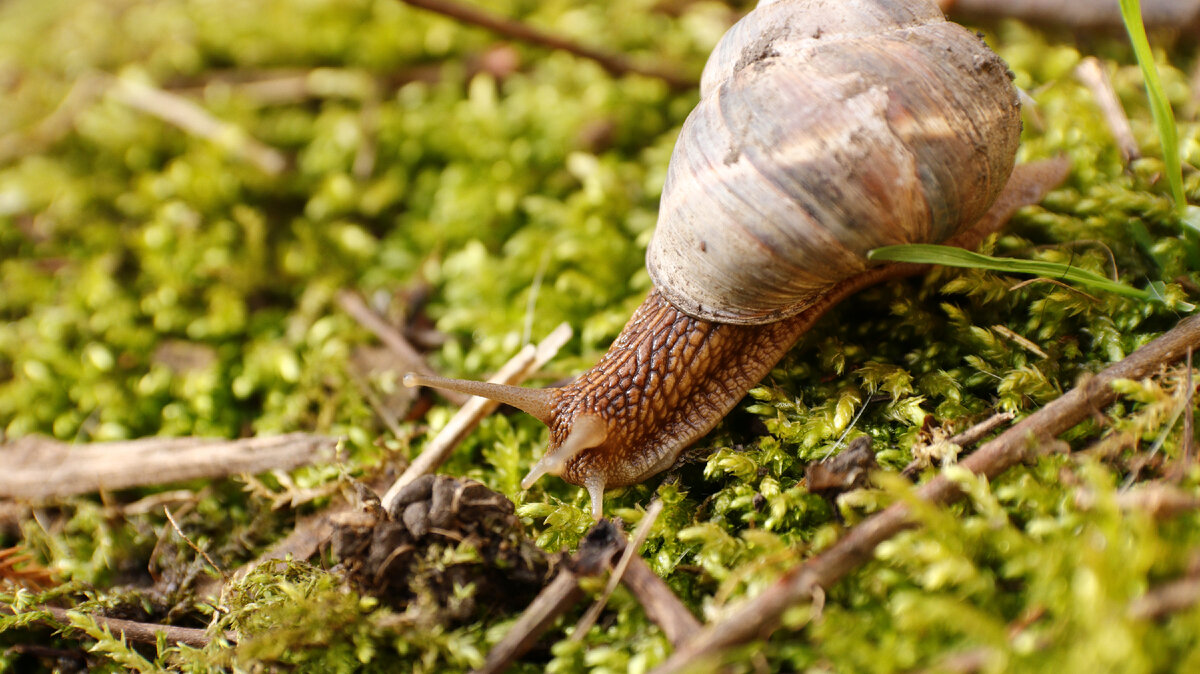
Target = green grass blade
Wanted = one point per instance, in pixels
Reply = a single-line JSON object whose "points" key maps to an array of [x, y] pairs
{"points": [[1160, 108], [950, 256]]}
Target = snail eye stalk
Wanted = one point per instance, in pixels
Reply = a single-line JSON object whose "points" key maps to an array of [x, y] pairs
{"points": [[533, 401]]}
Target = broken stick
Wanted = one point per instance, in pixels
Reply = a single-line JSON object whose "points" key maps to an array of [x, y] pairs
{"points": [[602, 542], [197, 121], [146, 633], [757, 617], [615, 64], [410, 359], [38, 468], [1093, 75]]}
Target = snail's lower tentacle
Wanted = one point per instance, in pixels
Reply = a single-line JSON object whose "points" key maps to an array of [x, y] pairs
{"points": [[669, 378]]}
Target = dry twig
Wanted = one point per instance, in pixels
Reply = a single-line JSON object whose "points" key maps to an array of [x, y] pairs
{"points": [[1181, 15], [520, 366], [197, 121], [602, 542], [1166, 599], [661, 605], [386, 414], [758, 617], [58, 123], [151, 503], [1020, 340], [283, 86], [1093, 75], [192, 545], [1157, 499], [410, 359], [618, 573], [965, 439], [145, 633], [40, 469], [616, 64], [1159, 602], [11, 515], [1189, 420], [17, 565]]}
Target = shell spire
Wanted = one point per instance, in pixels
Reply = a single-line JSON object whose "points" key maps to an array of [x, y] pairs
{"points": [[821, 133]]}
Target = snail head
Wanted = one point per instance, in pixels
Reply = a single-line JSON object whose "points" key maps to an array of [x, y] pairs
{"points": [[571, 431]]}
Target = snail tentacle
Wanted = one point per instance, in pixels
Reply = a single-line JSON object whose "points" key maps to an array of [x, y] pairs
{"points": [[587, 430], [669, 378], [822, 132], [535, 402]]}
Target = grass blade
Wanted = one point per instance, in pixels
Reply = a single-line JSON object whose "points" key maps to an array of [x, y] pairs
{"points": [[950, 256], [1160, 107]]}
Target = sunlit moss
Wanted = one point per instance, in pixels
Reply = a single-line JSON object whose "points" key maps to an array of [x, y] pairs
{"points": [[152, 282]]}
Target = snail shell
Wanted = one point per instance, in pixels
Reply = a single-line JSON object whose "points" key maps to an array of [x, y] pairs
{"points": [[826, 129]]}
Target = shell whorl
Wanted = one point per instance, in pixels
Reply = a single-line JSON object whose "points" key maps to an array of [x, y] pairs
{"points": [[826, 129]]}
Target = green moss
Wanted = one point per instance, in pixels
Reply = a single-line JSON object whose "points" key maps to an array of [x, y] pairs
{"points": [[153, 282]]}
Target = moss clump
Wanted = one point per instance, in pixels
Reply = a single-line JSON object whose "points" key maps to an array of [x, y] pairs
{"points": [[154, 282]]}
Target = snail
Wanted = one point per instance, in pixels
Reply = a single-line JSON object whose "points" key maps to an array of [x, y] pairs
{"points": [[825, 129]]}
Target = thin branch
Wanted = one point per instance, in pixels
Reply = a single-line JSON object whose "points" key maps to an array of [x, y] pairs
{"points": [[603, 541], [145, 633], [410, 359], [385, 413], [175, 525], [285, 85], [759, 616], [1166, 599], [1053, 281], [618, 573], [1157, 499], [526, 362], [311, 532], [365, 156], [556, 599], [74, 656], [1181, 15], [1189, 420], [661, 605], [55, 126], [965, 439], [975, 433], [37, 468], [616, 64], [1020, 340], [1159, 602], [595, 553], [1093, 75], [12, 514], [281, 86], [30, 574], [151, 503], [1114, 272], [197, 121]]}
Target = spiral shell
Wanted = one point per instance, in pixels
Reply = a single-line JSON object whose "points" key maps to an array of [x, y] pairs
{"points": [[901, 127]]}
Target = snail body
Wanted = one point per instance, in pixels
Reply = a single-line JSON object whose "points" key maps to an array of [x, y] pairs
{"points": [[824, 129]]}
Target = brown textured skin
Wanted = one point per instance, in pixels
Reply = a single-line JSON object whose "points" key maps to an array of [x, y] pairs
{"points": [[669, 378], [665, 381]]}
